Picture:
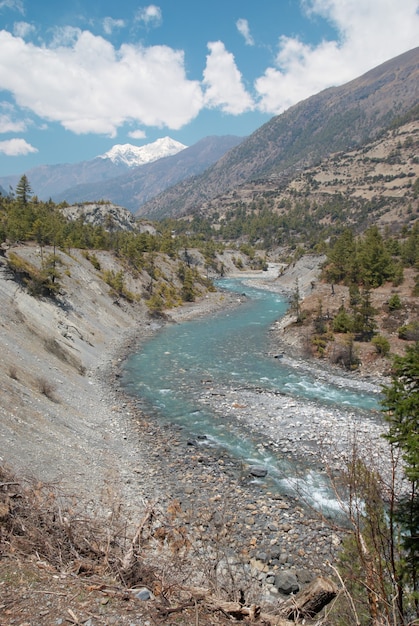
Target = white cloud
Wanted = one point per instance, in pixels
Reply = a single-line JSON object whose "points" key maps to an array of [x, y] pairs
{"points": [[16, 147], [8, 125], [369, 33], [83, 82], [150, 15], [137, 134], [65, 36], [23, 29], [110, 24], [15, 5], [243, 28], [90, 87], [223, 81]]}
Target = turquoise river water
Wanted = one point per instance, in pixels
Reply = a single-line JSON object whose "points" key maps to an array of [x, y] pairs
{"points": [[230, 348]]}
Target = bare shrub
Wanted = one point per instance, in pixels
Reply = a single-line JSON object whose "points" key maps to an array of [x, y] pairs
{"points": [[13, 371], [345, 355], [46, 387]]}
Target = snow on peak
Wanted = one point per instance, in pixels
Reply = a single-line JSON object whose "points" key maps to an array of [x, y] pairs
{"points": [[132, 156]]}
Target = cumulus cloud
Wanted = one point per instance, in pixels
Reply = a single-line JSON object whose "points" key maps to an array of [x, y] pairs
{"points": [[137, 134], [369, 33], [65, 36], [223, 82], [243, 28], [16, 147], [90, 87], [150, 15], [110, 24], [86, 84]]}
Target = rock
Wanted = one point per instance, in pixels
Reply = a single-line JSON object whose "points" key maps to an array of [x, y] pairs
{"points": [[304, 576], [143, 594], [257, 471], [286, 582]]}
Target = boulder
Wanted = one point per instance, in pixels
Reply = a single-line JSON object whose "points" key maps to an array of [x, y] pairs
{"points": [[258, 471], [286, 582]]}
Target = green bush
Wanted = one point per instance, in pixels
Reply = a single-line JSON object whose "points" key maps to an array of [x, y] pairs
{"points": [[409, 332], [381, 344], [93, 260], [394, 303], [38, 281], [343, 322]]}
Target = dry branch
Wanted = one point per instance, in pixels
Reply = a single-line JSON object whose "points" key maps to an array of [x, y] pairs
{"points": [[310, 601], [129, 558]]}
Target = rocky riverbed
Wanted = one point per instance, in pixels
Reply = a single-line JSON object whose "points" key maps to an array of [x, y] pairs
{"points": [[276, 533], [92, 440]]}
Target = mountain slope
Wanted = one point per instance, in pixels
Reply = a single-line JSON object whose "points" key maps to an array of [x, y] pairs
{"points": [[49, 180], [134, 188], [332, 120], [377, 183]]}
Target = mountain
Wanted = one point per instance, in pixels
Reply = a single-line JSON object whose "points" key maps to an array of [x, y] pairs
{"points": [[336, 119], [132, 156], [374, 184], [49, 180], [125, 175], [134, 188]]}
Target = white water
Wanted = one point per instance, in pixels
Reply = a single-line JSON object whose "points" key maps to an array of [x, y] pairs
{"points": [[231, 350]]}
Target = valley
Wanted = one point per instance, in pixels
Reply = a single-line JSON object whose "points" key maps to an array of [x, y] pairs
{"points": [[104, 497]]}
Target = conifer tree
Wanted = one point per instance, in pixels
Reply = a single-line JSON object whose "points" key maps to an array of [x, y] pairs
{"points": [[401, 402], [23, 190]]}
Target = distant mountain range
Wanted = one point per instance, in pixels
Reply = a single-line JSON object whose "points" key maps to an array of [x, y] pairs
{"points": [[174, 180], [119, 175], [132, 156], [336, 119], [133, 188]]}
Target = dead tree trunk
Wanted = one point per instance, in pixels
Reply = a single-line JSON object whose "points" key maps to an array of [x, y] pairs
{"points": [[311, 600]]}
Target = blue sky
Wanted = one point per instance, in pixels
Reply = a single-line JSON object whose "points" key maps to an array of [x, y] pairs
{"points": [[78, 77]]}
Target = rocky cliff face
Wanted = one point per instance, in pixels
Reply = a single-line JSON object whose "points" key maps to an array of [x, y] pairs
{"points": [[105, 214]]}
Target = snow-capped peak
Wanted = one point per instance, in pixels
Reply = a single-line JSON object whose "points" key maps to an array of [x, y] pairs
{"points": [[132, 156]]}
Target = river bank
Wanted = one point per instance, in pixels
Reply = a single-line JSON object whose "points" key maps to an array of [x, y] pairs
{"points": [[195, 474], [94, 443]]}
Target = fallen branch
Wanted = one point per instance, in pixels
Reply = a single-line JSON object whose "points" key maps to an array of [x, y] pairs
{"points": [[311, 600], [127, 561]]}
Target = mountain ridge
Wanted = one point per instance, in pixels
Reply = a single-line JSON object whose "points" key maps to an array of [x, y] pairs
{"points": [[133, 156], [335, 119], [133, 188], [91, 180]]}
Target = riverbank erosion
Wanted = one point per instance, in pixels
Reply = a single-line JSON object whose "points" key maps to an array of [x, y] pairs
{"points": [[67, 421], [61, 420]]}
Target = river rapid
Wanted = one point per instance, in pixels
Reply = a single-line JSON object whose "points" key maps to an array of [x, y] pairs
{"points": [[287, 422]]}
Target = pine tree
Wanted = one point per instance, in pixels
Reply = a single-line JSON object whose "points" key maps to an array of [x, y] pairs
{"points": [[401, 402], [376, 265], [364, 323], [23, 190], [342, 258]]}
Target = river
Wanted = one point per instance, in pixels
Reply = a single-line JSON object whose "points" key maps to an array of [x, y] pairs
{"points": [[181, 366]]}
